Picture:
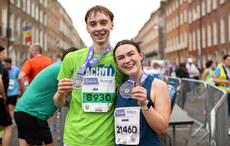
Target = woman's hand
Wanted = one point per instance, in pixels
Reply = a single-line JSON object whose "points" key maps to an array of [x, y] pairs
{"points": [[140, 94]]}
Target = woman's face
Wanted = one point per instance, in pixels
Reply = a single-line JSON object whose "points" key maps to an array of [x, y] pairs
{"points": [[128, 59]]}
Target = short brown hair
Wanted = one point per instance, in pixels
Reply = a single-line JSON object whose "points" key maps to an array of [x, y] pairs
{"points": [[99, 9], [8, 59]]}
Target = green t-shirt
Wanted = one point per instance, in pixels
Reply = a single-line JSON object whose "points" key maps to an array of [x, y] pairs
{"points": [[89, 128], [38, 97]]}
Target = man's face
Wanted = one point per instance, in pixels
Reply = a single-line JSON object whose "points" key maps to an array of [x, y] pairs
{"points": [[7, 65], [2, 55], [99, 26]]}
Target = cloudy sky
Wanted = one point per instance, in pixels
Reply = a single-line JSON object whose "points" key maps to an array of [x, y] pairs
{"points": [[129, 16]]}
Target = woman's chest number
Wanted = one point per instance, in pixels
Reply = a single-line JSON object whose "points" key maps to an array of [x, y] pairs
{"points": [[126, 129], [98, 97]]}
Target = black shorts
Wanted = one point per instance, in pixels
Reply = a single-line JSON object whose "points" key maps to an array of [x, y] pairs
{"points": [[32, 129], [11, 100], [5, 118]]}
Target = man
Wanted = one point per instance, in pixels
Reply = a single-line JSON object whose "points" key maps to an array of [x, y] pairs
{"points": [[12, 91], [36, 106], [172, 69], [33, 66], [193, 73], [5, 118], [90, 117]]}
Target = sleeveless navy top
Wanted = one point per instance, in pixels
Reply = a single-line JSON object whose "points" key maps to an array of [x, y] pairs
{"points": [[147, 135]]}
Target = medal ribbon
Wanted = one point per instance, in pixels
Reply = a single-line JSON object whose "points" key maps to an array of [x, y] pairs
{"points": [[89, 61], [143, 78]]}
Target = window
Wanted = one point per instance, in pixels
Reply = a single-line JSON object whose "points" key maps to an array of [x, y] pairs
{"points": [[37, 35], [198, 39], [12, 1], [11, 25], [28, 6], [194, 40], [23, 38], [45, 20], [215, 33], [33, 34], [208, 6], [190, 17], [4, 22], [18, 3], [214, 4], [45, 3], [198, 11], [37, 11], [18, 27], [41, 38], [209, 36], [41, 16], [185, 38], [222, 1], [185, 16], [24, 5], [203, 38], [181, 18], [177, 21], [203, 8], [32, 10], [45, 42], [222, 30]]}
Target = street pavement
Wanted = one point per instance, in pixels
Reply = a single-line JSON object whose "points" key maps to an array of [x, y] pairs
{"points": [[183, 135]]}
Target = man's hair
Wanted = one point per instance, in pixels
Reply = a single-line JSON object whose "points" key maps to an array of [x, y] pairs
{"points": [[225, 57], [98, 9], [1, 48], [37, 47], [65, 52], [8, 59]]}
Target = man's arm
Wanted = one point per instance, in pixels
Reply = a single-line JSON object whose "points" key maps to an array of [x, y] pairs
{"points": [[21, 79], [2, 91]]}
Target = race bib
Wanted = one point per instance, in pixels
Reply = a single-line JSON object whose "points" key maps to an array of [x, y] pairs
{"points": [[127, 125], [11, 84], [98, 93]]}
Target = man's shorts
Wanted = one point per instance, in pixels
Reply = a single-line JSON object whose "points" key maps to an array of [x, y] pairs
{"points": [[11, 100], [5, 119], [32, 129]]}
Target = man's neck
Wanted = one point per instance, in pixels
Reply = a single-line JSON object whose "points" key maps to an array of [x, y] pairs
{"points": [[100, 48]]}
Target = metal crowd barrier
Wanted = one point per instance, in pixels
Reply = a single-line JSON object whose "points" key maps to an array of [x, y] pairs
{"points": [[218, 113]]}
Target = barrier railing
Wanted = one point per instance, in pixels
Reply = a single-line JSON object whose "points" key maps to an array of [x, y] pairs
{"points": [[218, 113]]}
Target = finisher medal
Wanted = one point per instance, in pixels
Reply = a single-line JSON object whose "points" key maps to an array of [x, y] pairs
{"points": [[126, 89], [77, 80]]}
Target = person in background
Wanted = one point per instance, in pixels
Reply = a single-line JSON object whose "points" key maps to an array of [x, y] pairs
{"points": [[57, 58], [5, 118], [193, 74], [33, 66], [36, 106], [172, 68], [222, 78], [149, 100], [13, 89], [89, 120], [209, 73]]}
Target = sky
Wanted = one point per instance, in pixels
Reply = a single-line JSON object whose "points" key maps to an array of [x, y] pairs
{"points": [[129, 16]]}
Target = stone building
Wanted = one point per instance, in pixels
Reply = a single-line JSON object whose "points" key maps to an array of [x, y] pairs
{"points": [[49, 24]]}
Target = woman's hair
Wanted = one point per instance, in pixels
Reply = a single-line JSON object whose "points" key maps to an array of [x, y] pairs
{"points": [[98, 9], [208, 63], [124, 42]]}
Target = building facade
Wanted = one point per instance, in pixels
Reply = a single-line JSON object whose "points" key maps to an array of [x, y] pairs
{"points": [[50, 24], [199, 29]]}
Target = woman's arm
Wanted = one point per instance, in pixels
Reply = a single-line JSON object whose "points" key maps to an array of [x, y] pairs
{"points": [[157, 117]]}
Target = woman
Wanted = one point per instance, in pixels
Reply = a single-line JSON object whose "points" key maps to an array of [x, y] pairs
{"points": [[208, 73], [140, 117]]}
